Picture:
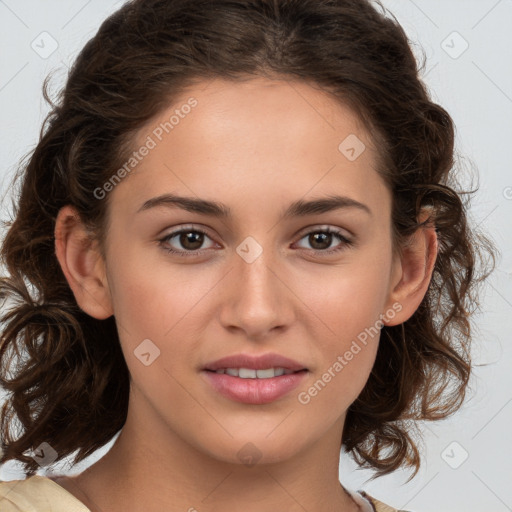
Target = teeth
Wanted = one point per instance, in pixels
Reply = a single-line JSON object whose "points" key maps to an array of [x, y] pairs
{"points": [[248, 373]]}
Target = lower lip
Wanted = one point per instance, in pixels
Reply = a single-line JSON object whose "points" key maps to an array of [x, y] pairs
{"points": [[254, 391]]}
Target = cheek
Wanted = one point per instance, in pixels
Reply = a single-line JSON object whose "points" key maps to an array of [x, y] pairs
{"points": [[151, 295], [168, 305], [346, 346], [344, 311], [346, 300]]}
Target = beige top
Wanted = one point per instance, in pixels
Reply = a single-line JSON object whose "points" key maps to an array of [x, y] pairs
{"points": [[41, 494]]}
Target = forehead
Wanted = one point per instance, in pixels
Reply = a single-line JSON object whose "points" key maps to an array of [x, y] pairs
{"points": [[256, 103], [262, 138]]}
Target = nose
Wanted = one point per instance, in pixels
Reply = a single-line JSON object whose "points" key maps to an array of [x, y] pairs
{"points": [[257, 300]]}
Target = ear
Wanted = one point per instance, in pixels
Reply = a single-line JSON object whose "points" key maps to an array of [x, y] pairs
{"points": [[412, 273], [82, 264]]}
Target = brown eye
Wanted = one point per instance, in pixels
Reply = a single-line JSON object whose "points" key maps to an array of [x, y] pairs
{"points": [[185, 242], [321, 241], [191, 240]]}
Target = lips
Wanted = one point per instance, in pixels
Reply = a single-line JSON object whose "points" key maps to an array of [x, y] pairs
{"points": [[261, 362], [255, 391]]}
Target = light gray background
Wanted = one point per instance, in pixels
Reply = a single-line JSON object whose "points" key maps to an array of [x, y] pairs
{"points": [[476, 88]]}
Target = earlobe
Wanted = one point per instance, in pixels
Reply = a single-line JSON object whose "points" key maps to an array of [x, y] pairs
{"points": [[414, 273], [82, 264]]}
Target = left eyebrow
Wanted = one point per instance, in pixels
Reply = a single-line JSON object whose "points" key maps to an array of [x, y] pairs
{"points": [[300, 208], [303, 208]]}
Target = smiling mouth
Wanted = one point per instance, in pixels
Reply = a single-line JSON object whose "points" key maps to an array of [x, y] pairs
{"points": [[249, 373]]}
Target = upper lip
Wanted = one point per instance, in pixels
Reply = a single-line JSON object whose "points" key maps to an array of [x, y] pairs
{"points": [[261, 362]]}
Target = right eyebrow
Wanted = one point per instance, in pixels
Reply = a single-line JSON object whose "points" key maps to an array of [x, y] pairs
{"points": [[190, 204]]}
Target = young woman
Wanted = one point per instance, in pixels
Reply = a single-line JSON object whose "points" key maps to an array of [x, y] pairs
{"points": [[237, 243]]}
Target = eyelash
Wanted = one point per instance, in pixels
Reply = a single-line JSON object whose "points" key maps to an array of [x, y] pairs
{"points": [[345, 241]]}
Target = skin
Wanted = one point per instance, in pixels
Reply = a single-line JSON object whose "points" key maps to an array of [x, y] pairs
{"points": [[255, 146]]}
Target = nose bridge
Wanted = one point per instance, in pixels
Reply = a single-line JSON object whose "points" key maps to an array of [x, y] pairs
{"points": [[257, 301]]}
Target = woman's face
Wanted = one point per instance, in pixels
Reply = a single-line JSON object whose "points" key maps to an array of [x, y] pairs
{"points": [[271, 275]]}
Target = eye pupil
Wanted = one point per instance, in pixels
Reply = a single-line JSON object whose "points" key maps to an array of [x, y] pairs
{"points": [[194, 237], [322, 237]]}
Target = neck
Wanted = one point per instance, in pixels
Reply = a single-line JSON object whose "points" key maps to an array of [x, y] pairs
{"points": [[140, 472]]}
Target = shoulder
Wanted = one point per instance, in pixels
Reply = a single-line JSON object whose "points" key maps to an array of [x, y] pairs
{"points": [[378, 505], [37, 494]]}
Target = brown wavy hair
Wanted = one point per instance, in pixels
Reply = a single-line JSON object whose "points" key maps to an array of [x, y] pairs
{"points": [[64, 372]]}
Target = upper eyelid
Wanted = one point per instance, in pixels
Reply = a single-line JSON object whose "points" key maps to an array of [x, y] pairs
{"points": [[185, 229], [325, 227], [303, 231]]}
